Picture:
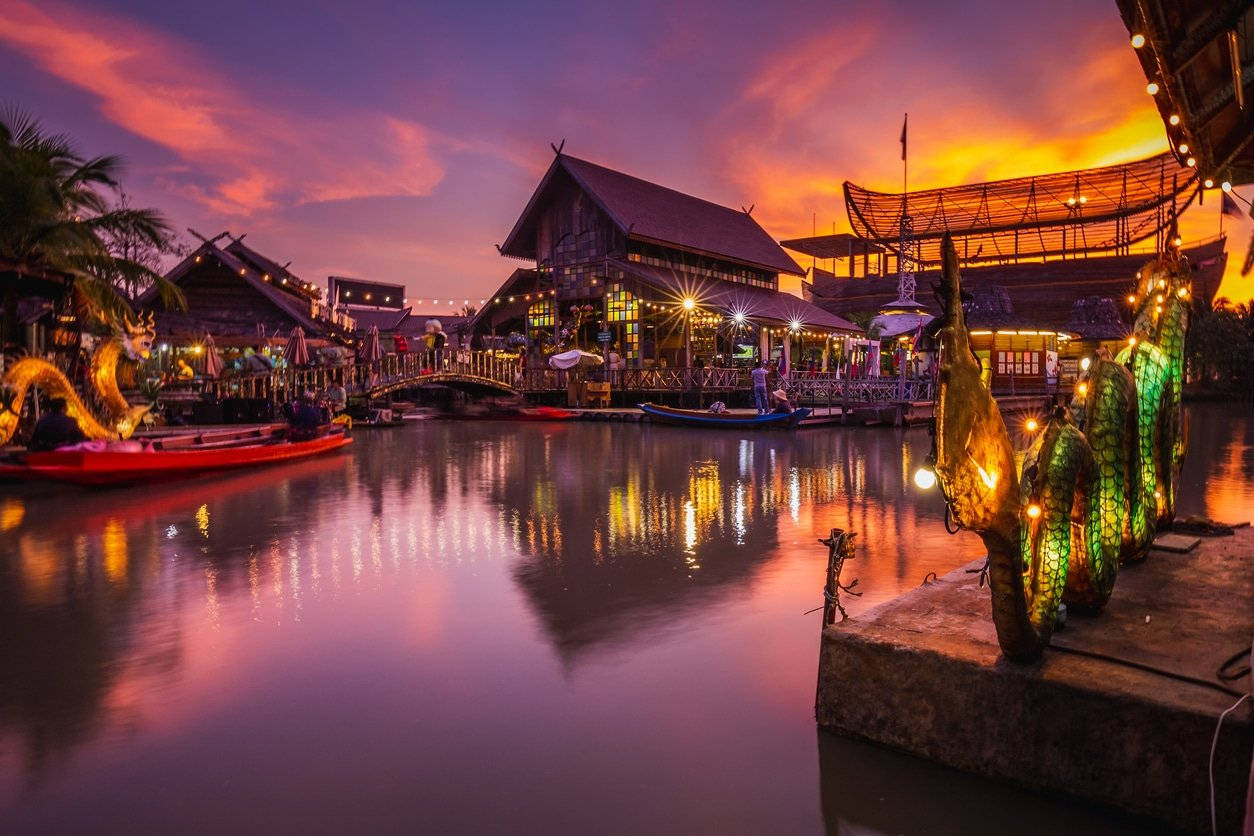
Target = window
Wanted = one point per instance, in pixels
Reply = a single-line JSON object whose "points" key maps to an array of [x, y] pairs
{"points": [[621, 306], [540, 315], [1018, 363]]}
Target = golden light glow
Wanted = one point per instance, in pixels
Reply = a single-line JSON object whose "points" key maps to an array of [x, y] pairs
{"points": [[1182, 292], [1034, 511], [1152, 88], [1131, 299], [1082, 388], [1085, 363], [1138, 41], [1175, 120], [925, 478], [689, 304], [1184, 148], [989, 478], [1208, 183], [1226, 186], [1030, 425], [1131, 340], [1190, 162]]}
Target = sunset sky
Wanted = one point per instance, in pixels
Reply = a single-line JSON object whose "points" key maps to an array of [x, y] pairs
{"points": [[399, 142]]}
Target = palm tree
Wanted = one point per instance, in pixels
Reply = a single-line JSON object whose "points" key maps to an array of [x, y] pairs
{"points": [[55, 217]]}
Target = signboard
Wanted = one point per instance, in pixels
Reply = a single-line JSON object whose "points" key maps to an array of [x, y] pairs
{"points": [[366, 294], [603, 336]]}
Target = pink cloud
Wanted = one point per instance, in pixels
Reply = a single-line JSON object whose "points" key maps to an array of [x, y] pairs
{"points": [[254, 154]]}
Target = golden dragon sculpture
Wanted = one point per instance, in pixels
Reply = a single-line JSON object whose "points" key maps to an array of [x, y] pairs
{"points": [[118, 419], [1095, 484]]}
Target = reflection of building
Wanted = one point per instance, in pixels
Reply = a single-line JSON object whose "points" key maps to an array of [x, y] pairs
{"points": [[668, 276]]}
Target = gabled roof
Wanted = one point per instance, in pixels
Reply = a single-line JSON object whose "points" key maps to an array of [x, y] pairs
{"points": [[645, 211], [295, 307]]}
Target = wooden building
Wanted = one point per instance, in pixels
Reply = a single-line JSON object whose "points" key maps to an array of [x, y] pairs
{"points": [[244, 298], [670, 278]]}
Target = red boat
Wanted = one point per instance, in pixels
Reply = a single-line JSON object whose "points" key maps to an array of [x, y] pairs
{"points": [[522, 413], [169, 458]]}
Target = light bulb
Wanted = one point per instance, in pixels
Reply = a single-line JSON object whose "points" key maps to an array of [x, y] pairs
{"points": [[1034, 511], [1138, 41], [1030, 425], [925, 478], [1085, 363], [1226, 186], [1152, 88], [1174, 119]]}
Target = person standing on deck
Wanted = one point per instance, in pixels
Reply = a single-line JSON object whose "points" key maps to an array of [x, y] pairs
{"points": [[758, 376]]}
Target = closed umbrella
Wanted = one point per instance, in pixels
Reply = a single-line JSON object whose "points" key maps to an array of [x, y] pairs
{"points": [[370, 350], [297, 351], [213, 363]]}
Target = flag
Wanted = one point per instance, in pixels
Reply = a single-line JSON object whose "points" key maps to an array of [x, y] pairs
{"points": [[904, 122], [1229, 206]]}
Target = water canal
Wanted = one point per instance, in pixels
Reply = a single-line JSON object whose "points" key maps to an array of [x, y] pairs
{"points": [[476, 627]]}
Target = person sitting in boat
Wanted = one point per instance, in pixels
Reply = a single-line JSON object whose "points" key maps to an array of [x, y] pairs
{"points": [[337, 396], [782, 404], [55, 428], [306, 420]]}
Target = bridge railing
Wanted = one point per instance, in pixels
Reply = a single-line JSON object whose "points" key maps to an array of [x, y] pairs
{"points": [[396, 371]]}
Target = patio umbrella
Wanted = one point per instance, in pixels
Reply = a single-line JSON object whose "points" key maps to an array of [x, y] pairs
{"points": [[213, 363], [571, 359], [296, 351]]}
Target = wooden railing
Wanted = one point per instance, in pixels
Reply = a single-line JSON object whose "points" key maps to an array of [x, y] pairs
{"points": [[485, 367], [394, 371]]}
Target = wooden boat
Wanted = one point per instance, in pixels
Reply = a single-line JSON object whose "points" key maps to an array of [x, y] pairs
{"points": [[522, 413], [701, 418], [178, 457]]}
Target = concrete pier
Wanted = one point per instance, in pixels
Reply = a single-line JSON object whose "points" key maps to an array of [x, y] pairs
{"points": [[1120, 711]]}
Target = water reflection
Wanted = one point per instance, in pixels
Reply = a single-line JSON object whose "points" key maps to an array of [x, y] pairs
{"points": [[129, 617]]}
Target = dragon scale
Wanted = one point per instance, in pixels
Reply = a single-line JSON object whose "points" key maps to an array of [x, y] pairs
{"points": [[1095, 484]]}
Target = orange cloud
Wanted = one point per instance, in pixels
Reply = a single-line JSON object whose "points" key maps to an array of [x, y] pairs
{"points": [[254, 155], [1092, 112]]}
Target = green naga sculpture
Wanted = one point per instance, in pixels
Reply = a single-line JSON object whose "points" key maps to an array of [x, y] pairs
{"points": [[1097, 481]]}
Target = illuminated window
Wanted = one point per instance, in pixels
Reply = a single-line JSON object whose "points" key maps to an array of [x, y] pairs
{"points": [[540, 315], [622, 306]]}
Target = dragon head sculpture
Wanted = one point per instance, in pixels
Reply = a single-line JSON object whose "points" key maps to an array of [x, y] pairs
{"points": [[137, 335]]}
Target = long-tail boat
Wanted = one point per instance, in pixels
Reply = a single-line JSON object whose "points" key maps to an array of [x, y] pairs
{"points": [[725, 420], [171, 457]]}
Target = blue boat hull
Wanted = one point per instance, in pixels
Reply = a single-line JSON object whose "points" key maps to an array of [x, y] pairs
{"points": [[710, 420]]}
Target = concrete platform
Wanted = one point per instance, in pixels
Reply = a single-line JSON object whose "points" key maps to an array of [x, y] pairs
{"points": [[1121, 710]]}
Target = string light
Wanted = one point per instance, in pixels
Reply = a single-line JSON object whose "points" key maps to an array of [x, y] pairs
{"points": [[1209, 183], [1152, 88], [1131, 299], [1138, 41], [1030, 425], [1174, 119], [1132, 341], [1190, 162], [1085, 363], [1184, 147], [1082, 388], [1034, 511], [1226, 186]]}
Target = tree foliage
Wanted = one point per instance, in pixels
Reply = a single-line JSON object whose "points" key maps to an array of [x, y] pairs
{"points": [[56, 216], [1220, 348]]}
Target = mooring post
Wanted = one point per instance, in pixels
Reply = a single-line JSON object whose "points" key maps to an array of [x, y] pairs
{"points": [[839, 549]]}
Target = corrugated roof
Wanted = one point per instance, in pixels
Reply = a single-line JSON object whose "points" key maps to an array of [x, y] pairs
{"points": [[755, 303], [648, 212]]}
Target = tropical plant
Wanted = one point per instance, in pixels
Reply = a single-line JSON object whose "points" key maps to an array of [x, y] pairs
{"points": [[1220, 347], [56, 217]]}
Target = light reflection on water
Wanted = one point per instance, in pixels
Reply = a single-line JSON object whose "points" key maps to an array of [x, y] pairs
{"points": [[466, 626]]}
